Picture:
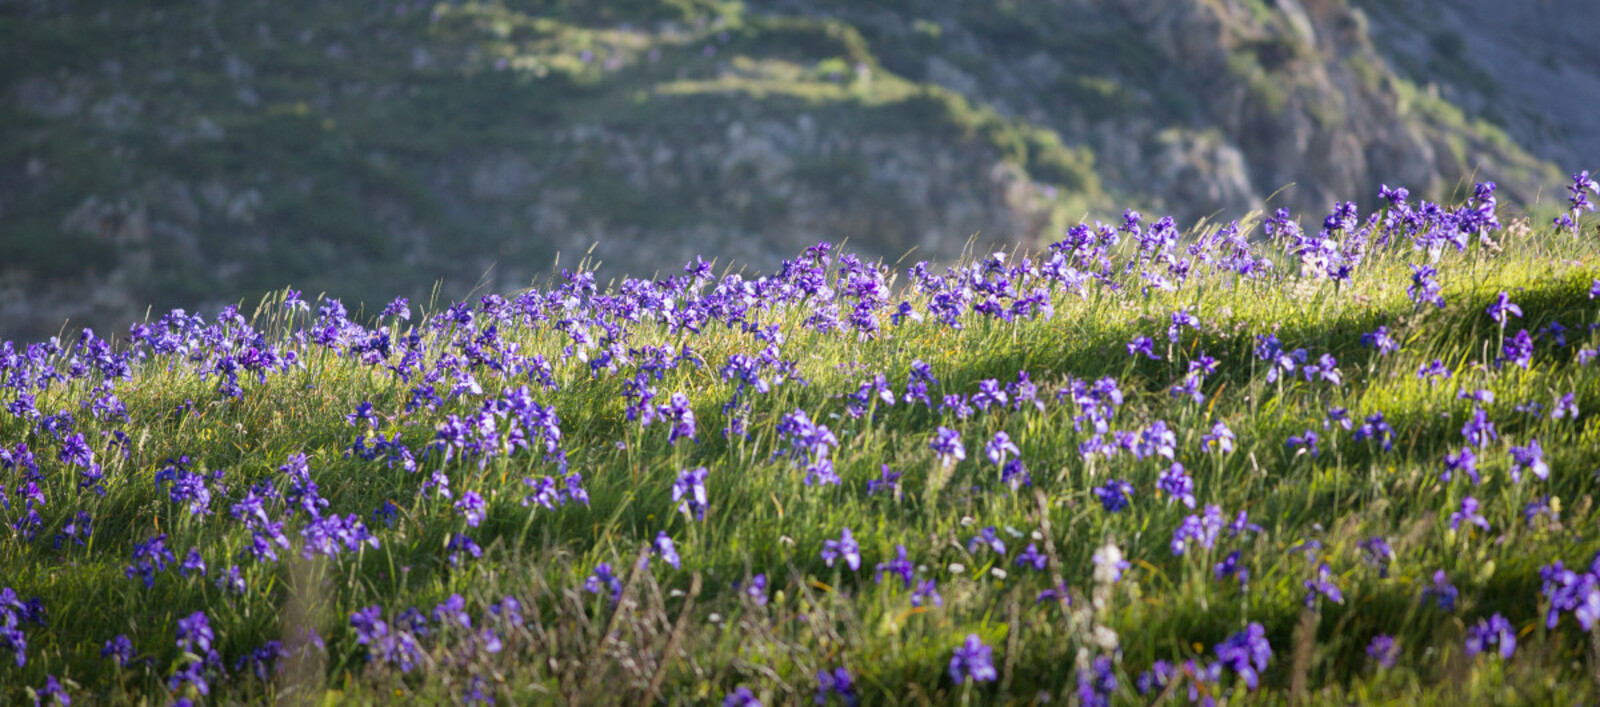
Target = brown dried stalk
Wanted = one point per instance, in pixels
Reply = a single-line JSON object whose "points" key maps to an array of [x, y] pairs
{"points": [[678, 631], [1012, 638], [624, 601]]}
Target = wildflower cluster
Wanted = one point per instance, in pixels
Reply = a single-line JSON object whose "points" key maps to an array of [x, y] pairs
{"points": [[958, 435]]}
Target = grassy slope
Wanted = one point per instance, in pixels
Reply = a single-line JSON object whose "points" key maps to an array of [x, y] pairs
{"points": [[763, 519]]}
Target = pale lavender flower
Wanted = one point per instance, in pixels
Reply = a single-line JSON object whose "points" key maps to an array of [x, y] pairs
{"points": [[1494, 631], [1383, 651], [845, 547], [987, 538], [1530, 458], [690, 492], [947, 444], [1469, 515], [997, 448]]}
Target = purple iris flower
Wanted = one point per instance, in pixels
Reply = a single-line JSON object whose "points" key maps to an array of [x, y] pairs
{"points": [[887, 481], [330, 534], [1031, 557], [756, 589], [845, 547], [363, 414], [1377, 553], [1160, 674], [1015, 474], [1220, 436], [690, 492], [1468, 514], [1143, 345], [1325, 585], [149, 557], [1338, 416], [1189, 388], [1383, 650], [472, 507], [399, 308], [1304, 442], [1156, 440], [1326, 367], [453, 611], [1114, 495], [52, 692], [947, 444], [1565, 407], [1098, 684], [1376, 428], [1241, 523], [195, 634], [1530, 458], [989, 394], [1433, 371], [1180, 319], [741, 697], [1494, 631], [231, 581], [1518, 349], [1425, 289], [1246, 653], [663, 546], [1379, 339], [987, 538], [76, 452], [677, 412], [973, 661], [1278, 360], [1501, 307], [603, 578], [836, 681], [900, 567], [1175, 482], [192, 562], [1479, 431], [997, 448], [1442, 592], [119, 650], [1231, 566], [462, 543]]}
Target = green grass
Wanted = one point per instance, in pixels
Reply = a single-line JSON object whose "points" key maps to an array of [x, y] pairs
{"points": [[763, 519]]}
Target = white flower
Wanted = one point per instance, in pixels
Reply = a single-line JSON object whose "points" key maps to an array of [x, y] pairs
{"points": [[1108, 564]]}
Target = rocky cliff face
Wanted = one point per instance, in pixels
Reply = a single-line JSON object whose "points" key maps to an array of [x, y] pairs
{"points": [[749, 189], [194, 155], [1203, 107], [1532, 67]]}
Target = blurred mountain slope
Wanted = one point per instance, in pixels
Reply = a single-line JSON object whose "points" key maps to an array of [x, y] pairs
{"points": [[189, 154]]}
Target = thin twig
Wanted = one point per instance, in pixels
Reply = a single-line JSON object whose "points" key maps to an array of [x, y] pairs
{"points": [[1012, 638], [1305, 643], [678, 630], [1058, 583], [1171, 689]]}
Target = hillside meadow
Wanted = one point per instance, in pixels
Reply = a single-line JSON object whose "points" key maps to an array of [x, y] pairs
{"points": [[1343, 458]]}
